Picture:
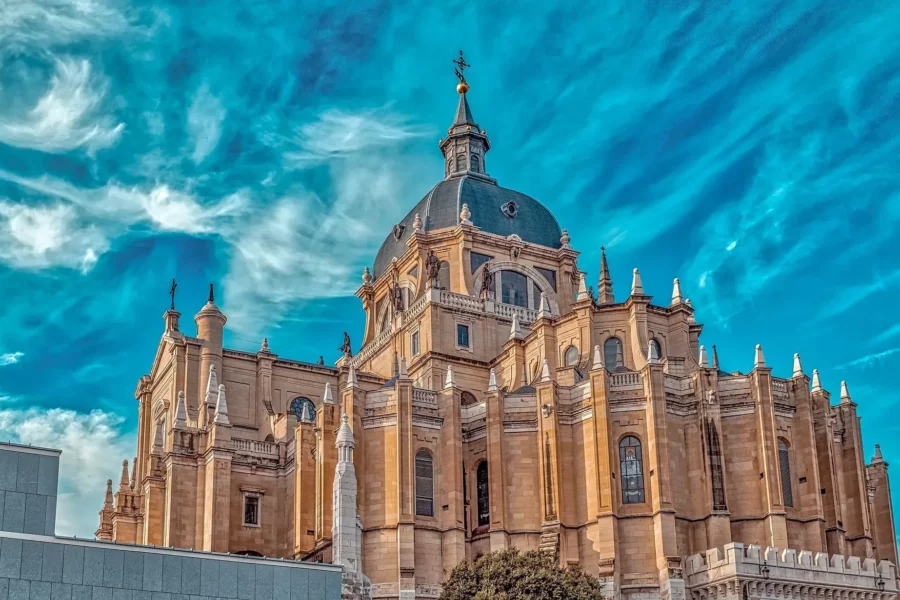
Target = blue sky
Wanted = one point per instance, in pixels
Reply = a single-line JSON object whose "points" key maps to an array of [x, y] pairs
{"points": [[749, 149]]}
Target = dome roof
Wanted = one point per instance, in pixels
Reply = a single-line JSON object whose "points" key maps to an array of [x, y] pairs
{"points": [[491, 211]]}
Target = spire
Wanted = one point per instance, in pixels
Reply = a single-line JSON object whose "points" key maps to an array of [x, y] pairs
{"points": [[212, 386], [328, 397], [351, 377], [108, 500], [652, 353], [396, 367], [134, 474], [545, 371], [703, 360], [604, 284], [344, 438], [264, 349], [878, 458], [465, 145], [715, 362], [211, 299], [158, 441], [464, 116], [597, 361], [798, 368], [221, 417], [637, 288], [124, 482], [545, 307], [492, 382], [450, 381], [690, 318], [346, 536], [180, 412], [845, 393], [515, 332], [306, 415], [582, 289], [758, 359], [816, 384], [676, 293]]}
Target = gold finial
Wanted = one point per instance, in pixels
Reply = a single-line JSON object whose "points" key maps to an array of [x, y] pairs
{"points": [[461, 65]]}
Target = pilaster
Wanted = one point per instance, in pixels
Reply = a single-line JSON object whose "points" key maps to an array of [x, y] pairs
{"points": [[406, 491], [453, 539], [605, 534], [496, 469], [327, 417]]}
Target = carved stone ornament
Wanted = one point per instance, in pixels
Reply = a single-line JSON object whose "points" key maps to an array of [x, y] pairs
{"points": [[510, 209], [398, 231]]}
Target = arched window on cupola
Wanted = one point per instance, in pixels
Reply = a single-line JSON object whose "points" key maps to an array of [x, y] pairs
{"points": [[460, 162], [784, 464], [475, 163], [631, 466], [612, 354], [424, 484], [483, 491]]}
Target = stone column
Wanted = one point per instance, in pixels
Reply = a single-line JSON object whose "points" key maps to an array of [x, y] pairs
{"points": [[605, 536], [406, 491], [496, 469], [453, 540], [552, 540]]}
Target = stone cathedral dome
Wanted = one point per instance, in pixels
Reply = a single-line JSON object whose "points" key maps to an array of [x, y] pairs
{"points": [[494, 209]]}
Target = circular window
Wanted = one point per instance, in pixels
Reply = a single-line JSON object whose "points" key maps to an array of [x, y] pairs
{"points": [[510, 209]]}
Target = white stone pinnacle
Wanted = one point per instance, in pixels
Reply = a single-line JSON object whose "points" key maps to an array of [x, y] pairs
{"points": [[492, 382], [515, 332], [450, 381], [180, 412], [351, 377], [704, 359], [212, 386], [798, 368], [328, 396], [545, 307], [637, 288], [758, 359], [652, 353], [582, 289], [306, 416], [845, 393], [404, 372], [598, 360], [677, 298], [221, 417], [816, 384], [545, 371]]}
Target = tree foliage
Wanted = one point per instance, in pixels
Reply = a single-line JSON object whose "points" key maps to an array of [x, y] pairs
{"points": [[515, 575]]}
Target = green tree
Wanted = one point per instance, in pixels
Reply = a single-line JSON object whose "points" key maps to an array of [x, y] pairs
{"points": [[515, 575]]}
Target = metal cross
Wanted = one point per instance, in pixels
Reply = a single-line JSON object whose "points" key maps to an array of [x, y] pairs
{"points": [[461, 66], [172, 293]]}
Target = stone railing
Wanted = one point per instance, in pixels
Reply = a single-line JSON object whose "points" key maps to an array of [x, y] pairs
{"points": [[415, 309], [746, 572], [526, 315], [625, 381], [371, 348], [424, 397], [254, 447], [779, 385], [461, 301]]}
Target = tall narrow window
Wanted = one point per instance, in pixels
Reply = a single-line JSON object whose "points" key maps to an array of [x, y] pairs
{"points": [[717, 479], [631, 465], [784, 462], [476, 163], [462, 336], [251, 511], [484, 505], [424, 484], [414, 343], [571, 356], [612, 354], [460, 162]]}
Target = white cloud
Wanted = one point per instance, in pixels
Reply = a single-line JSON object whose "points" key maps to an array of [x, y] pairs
{"points": [[10, 358], [91, 443], [869, 360], [69, 115], [42, 23], [204, 123]]}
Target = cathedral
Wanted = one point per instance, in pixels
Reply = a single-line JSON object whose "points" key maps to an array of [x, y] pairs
{"points": [[497, 400]]}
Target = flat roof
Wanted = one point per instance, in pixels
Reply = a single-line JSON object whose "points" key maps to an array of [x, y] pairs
{"points": [[30, 449]]}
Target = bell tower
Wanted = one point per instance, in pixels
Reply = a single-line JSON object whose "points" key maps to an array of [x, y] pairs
{"points": [[465, 145]]}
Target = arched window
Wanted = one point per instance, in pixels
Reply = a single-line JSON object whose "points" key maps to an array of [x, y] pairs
{"points": [[514, 288], [655, 345], [570, 358], [784, 463], [476, 163], [297, 405], [612, 354], [270, 438], [483, 491], [717, 479], [631, 464], [424, 484], [466, 398], [444, 275], [460, 162]]}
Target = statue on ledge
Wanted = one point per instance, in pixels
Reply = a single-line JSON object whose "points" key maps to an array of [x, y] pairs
{"points": [[432, 268], [346, 349]]}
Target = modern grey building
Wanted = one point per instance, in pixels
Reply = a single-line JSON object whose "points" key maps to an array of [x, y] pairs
{"points": [[37, 565]]}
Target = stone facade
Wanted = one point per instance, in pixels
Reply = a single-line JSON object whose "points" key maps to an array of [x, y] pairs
{"points": [[523, 413]]}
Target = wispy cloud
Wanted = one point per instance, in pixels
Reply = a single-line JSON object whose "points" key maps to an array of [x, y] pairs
{"points": [[852, 295], [204, 123], [887, 334], [10, 358], [69, 115], [44, 23], [869, 360], [90, 443]]}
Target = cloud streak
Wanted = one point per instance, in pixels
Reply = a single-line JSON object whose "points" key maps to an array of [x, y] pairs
{"points": [[10, 358]]}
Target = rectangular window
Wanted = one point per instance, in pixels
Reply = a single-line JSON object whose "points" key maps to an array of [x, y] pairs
{"points": [[462, 336], [549, 275], [514, 288], [414, 343], [478, 260], [251, 511]]}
